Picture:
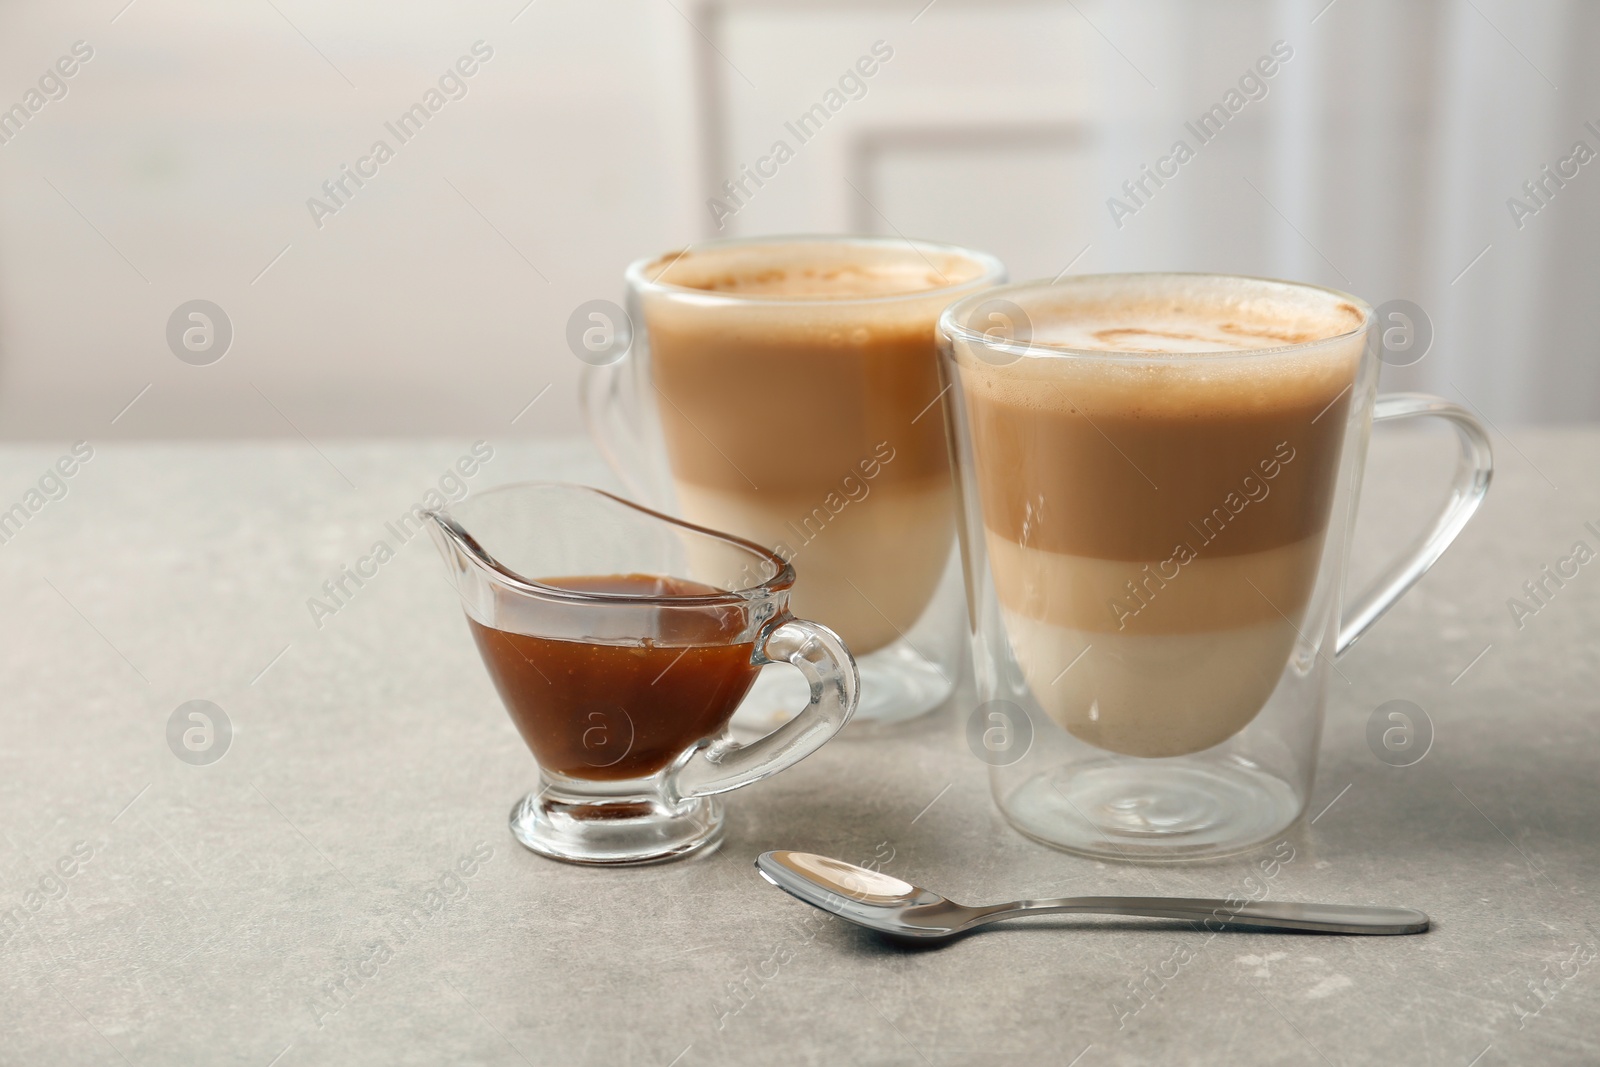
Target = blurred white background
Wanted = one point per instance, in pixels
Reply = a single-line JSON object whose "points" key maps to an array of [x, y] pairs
{"points": [[179, 162]]}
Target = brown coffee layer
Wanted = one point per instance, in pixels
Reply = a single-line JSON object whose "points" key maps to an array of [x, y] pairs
{"points": [[791, 410], [833, 354], [1134, 460]]}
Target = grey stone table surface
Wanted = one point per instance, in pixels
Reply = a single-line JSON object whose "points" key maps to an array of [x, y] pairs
{"points": [[340, 886]]}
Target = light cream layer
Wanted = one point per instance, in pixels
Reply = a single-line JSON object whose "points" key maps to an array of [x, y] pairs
{"points": [[1182, 669], [1162, 695], [867, 569]]}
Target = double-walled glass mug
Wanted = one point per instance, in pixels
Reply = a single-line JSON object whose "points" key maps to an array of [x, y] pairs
{"points": [[621, 641], [784, 389], [1159, 474]]}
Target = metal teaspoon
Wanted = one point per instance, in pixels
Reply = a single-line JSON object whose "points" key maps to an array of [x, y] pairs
{"points": [[888, 905]]}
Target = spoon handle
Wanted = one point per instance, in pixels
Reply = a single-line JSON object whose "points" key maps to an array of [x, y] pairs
{"points": [[1216, 913]]}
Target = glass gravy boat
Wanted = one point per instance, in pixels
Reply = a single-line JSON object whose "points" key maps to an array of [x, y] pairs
{"points": [[621, 642]]}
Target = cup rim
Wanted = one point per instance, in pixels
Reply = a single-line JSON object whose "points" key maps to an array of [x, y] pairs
{"points": [[994, 272], [952, 329], [781, 582]]}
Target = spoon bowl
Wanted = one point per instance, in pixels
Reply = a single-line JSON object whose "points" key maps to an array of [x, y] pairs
{"points": [[897, 908]]}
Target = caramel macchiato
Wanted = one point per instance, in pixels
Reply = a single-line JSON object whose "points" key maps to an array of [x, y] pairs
{"points": [[797, 397], [1155, 499]]}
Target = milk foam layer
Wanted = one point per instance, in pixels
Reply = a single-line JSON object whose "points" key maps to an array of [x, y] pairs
{"points": [[1193, 315], [813, 270]]}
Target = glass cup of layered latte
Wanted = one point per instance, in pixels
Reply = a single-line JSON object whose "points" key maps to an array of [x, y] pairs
{"points": [[1158, 474], [787, 390]]}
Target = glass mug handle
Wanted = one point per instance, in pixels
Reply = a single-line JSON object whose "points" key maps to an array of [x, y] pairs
{"points": [[831, 671], [1474, 466], [610, 405]]}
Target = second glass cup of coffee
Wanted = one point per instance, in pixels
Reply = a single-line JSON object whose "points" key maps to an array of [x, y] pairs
{"points": [[1159, 473], [786, 390]]}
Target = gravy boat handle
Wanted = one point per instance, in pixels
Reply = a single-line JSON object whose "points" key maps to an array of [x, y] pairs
{"points": [[831, 671]]}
